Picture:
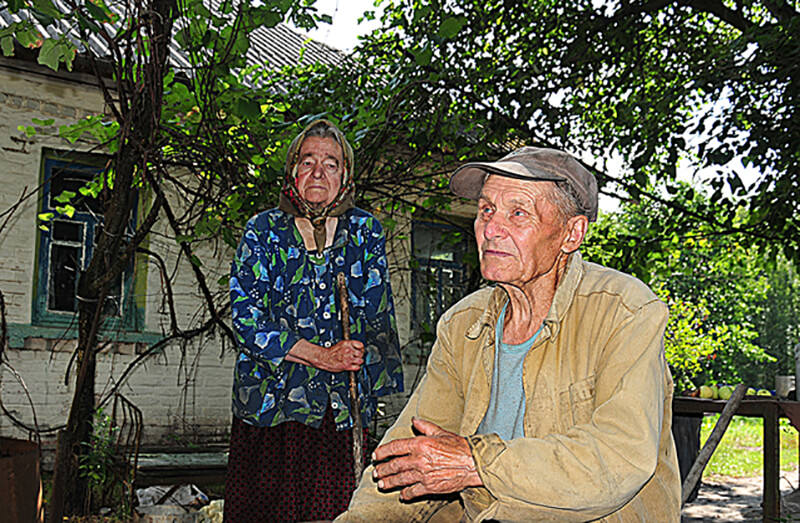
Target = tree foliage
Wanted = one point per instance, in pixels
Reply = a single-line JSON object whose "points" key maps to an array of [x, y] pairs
{"points": [[619, 82], [726, 323]]}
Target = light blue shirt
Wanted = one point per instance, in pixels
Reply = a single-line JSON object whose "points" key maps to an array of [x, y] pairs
{"points": [[506, 412]]}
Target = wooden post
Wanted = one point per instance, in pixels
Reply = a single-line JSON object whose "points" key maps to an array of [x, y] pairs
{"points": [[355, 405], [772, 493], [711, 443]]}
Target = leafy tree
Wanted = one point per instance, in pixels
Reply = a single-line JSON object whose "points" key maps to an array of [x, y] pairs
{"points": [[618, 81], [687, 345], [718, 288], [778, 325]]}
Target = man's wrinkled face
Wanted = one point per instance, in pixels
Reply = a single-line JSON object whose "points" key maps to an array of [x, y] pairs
{"points": [[518, 230], [320, 166]]}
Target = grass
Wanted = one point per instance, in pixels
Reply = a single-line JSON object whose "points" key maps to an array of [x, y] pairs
{"points": [[740, 452]]}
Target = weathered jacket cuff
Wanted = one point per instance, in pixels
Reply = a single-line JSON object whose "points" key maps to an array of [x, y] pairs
{"points": [[485, 449]]}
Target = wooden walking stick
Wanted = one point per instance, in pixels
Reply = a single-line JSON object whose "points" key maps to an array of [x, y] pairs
{"points": [[355, 405]]}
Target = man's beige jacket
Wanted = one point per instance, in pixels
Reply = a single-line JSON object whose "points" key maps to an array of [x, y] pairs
{"points": [[598, 411]]}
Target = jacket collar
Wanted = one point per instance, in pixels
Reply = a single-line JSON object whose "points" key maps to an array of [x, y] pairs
{"points": [[562, 299]]}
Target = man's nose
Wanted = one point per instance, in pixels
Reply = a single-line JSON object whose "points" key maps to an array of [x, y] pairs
{"points": [[495, 227]]}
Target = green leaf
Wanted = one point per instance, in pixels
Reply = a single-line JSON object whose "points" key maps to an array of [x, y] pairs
{"points": [[67, 210], [29, 130], [64, 197], [423, 57], [97, 12], [27, 36], [44, 123], [248, 108], [451, 26], [46, 7], [49, 54], [7, 45]]}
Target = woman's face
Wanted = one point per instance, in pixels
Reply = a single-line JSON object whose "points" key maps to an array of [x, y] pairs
{"points": [[319, 170]]}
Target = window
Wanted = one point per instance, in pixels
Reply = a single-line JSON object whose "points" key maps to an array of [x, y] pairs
{"points": [[440, 278], [65, 248]]}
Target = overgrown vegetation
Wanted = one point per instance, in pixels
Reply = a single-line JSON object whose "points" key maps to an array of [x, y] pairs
{"points": [[740, 453], [725, 325]]}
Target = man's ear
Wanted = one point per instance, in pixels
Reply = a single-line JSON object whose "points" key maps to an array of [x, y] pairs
{"points": [[576, 228]]}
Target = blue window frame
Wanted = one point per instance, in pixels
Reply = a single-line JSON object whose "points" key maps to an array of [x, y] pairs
{"points": [[67, 244]]}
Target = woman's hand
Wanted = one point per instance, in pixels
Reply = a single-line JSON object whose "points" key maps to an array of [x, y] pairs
{"points": [[345, 355]]}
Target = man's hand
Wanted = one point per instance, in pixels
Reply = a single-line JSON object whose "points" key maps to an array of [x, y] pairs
{"points": [[345, 355], [438, 462]]}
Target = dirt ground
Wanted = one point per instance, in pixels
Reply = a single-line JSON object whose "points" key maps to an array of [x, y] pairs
{"points": [[739, 499]]}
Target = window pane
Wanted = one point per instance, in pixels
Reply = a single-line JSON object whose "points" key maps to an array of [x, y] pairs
{"points": [[439, 277], [64, 267], [66, 179], [113, 303], [67, 231], [437, 243]]}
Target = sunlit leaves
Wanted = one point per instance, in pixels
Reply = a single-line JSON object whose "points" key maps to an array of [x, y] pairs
{"points": [[716, 284], [104, 131]]}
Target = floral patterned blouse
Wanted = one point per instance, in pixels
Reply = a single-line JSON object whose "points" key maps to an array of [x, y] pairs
{"points": [[281, 293]]}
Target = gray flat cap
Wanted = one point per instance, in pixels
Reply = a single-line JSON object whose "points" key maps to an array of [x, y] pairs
{"points": [[530, 163]]}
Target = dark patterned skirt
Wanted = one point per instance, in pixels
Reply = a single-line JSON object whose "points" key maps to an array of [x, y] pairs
{"points": [[288, 473]]}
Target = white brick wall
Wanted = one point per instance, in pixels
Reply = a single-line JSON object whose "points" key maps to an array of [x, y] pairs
{"points": [[174, 408], [182, 395]]}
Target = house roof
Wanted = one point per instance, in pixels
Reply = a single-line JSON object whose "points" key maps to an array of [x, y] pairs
{"points": [[272, 46]]}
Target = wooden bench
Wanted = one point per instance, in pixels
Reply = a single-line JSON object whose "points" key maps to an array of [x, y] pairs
{"points": [[201, 467]]}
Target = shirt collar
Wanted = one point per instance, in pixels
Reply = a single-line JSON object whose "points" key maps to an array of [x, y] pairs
{"points": [[340, 238], [565, 292]]}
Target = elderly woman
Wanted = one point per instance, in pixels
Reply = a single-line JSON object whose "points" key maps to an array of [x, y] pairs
{"points": [[291, 447]]}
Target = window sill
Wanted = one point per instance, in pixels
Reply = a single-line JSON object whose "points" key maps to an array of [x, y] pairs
{"points": [[40, 337]]}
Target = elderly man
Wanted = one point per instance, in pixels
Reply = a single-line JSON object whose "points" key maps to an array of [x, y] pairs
{"points": [[547, 396]]}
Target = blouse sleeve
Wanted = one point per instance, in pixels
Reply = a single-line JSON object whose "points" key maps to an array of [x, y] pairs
{"points": [[382, 362], [259, 335]]}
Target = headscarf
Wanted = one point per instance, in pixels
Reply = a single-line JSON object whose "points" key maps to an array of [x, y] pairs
{"points": [[290, 199]]}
